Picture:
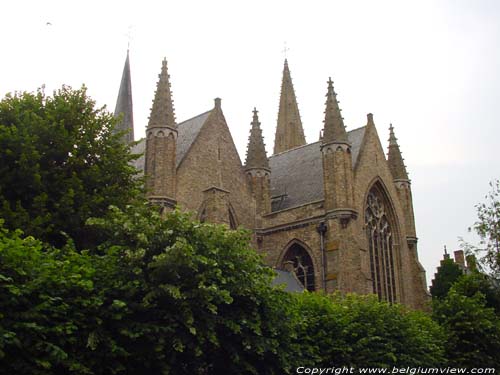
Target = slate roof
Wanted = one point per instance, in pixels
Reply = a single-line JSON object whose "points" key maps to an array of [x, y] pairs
{"points": [[297, 174], [290, 281], [187, 132]]}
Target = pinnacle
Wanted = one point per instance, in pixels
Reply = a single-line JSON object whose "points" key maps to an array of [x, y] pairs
{"points": [[256, 151], [334, 130], [162, 112], [289, 131], [395, 159]]}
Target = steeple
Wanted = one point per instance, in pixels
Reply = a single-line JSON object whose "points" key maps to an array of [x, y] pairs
{"points": [[334, 130], [162, 112], [394, 158], [289, 131], [124, 105], [256, 151]]}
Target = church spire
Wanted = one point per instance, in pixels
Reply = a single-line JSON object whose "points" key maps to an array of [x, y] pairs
{"points": [[334, 130], [124, 105], [394, 158], [162, 112], [289, 131], [256, 152]]}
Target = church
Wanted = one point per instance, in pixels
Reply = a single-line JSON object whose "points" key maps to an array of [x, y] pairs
{"points": [[337, 214]]}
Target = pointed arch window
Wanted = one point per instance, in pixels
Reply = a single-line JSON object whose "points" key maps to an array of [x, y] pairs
{"points": [[301, 264], [380, 236], [232, 220]]}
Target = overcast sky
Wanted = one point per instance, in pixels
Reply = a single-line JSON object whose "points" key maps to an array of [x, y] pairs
{"points": [[429, 67]]}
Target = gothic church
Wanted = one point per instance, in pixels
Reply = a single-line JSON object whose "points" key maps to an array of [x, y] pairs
{"points": [[335, 213]]}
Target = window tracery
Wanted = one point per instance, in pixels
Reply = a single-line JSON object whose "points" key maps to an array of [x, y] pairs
{"points": [[381, 246], [302, 265]]}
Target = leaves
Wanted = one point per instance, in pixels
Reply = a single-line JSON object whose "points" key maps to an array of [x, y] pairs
{"points": [[60, 165]]}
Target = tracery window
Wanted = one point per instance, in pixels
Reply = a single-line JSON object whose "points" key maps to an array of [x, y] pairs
{"points": [[302, 265], [381, 246]]}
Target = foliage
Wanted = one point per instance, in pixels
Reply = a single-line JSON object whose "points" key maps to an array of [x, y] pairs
{"points": [[488, 228], [448, 273], [473, 329], [360, 331], [476, 282], [60, 164], [48, 307], [197, 298]]}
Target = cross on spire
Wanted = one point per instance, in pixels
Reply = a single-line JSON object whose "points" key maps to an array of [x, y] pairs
{"points": [[129, 35], [285, 50]]}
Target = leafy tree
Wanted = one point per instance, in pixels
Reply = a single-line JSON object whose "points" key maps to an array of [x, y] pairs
{"points": [[165, 296], [473, 329], [49, 307], [488, 228], [477, 282], [60, 164], [448, 273], [360, 331]]}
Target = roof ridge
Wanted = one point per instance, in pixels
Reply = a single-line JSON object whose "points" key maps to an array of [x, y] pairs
{"points": [[192, 118], [359, 128], [295, 148]]}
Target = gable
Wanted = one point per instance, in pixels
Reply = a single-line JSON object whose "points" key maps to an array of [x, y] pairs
{"points": [[213, 161]]}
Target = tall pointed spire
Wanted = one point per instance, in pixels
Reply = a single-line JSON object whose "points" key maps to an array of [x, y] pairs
{"points": [[124, 105], [256, 151], [289, 131], [162, 112], [394, 158], [334, 130]]}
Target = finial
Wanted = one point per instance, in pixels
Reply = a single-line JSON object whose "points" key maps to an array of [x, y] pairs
{"points": [[445, 251], [393, 141], [217, 102], [255, 114]]}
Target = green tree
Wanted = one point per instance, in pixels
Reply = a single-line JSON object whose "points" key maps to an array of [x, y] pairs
{"points": [[472, 328], [360, 331], [49, 307], [165, 296], [448, 273], [488, 228], [60, 164]]}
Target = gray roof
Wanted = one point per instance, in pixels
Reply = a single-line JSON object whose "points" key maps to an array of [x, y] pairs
{"points": [[290, 281], [187, 132], [297, 174]]}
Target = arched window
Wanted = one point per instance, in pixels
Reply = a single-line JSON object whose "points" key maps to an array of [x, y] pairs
{"points": [[301, 264], [381, 245]]}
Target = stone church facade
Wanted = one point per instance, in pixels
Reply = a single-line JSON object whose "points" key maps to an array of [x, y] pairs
{"points": [[337, 213]]}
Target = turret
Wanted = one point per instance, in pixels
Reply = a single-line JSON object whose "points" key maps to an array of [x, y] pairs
{"points": [[289, 131], [257, 168], [402, 184], [124, 105], [161, 143], [337, 161]]}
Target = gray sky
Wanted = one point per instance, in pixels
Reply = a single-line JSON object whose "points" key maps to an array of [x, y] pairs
{"points": [[429, 67]]}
